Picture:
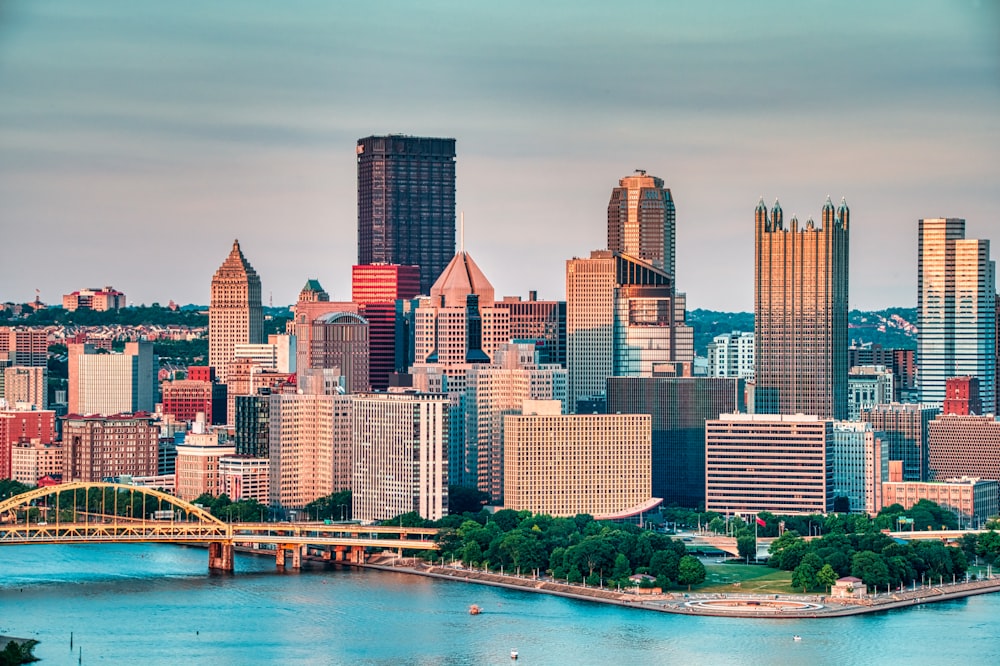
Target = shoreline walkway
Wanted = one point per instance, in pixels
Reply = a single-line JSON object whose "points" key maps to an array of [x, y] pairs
{"points": [[776, 606]]}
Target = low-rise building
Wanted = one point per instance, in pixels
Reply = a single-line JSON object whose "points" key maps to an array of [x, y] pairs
{"points": [[974, 501]]}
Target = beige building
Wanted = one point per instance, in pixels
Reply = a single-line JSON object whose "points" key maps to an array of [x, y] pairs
{"points": [[197, 467], [26, 385], [459, 324], [235, 314], [310, 447], [761, 462], [562, 465], [243, 477], [973, 500], [400, 452], [112, 383], [98, 448], [30, 461]]}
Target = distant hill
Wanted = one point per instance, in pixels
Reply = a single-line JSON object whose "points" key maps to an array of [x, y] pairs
{"points": [[892, 327]]}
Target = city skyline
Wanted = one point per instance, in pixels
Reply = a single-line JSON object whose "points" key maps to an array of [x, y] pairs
{"points": [[139, 140]]}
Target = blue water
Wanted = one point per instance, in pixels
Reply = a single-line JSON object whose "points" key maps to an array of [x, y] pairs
{"points": [[156, 604]]}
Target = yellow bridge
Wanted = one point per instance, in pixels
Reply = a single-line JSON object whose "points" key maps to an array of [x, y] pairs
{"points": [[81, 512]]}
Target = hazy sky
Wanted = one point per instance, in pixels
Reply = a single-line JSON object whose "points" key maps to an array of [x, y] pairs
{"points": [[137, 139]]}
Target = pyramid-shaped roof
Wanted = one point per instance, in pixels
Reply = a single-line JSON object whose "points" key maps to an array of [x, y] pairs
{"points": [[235, 266], [460, 278]]}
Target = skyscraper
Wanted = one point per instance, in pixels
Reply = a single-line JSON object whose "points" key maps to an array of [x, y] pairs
{"points": [[102, 383], [641, 220], [235, 315], [800, 308], [375, 289], [623, 318], [406, 203], [956, 309]]}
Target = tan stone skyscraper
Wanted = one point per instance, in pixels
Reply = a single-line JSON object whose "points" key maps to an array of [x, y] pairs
{"points": [[235, 315], [800, 308], [642, 220]]}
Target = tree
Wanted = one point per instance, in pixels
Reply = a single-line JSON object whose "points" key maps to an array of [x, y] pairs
{"points": [[621, 570], [746, 545], [826, 577], [870, 568], [665, 563], [690, 571], [804, 575], [841, 504], [466, 500]]}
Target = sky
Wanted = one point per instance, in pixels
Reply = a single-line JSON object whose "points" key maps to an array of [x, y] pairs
{"points": [[138, 139]]}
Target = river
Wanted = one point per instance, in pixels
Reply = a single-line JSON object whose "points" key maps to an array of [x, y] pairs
{"points": [[156, 604]]}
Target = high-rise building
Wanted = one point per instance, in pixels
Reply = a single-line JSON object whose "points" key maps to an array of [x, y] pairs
{"points": [[963, 446], [679, 407], [867, 386], [235, 314], [641, 221], [400, 455], [184, 399], [341, 341], [310, 444], [860, 467], [492, 391], [563, 464], [197, 466], [26, 384], [32, 460], [962, 396], [112, 383], [902, 363], [252, 432], [24, 345], [762, 462], [18, 425], [277, 354], [406, 203], [459, 324], [904, 429], [731, 355], [375, 289], [540, 322], [800, 313], [314, 304], [96, 448], [623, 318], [956, 309]]}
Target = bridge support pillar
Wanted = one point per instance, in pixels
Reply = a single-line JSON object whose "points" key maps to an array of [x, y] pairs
{"points": [[327, 554], [339, 552], [358, 554], [281, 557], [220, 556]]}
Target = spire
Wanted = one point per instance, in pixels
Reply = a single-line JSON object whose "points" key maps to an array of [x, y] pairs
{"points": [[760, 215], [776, 215], [843, 213], [828, 205]]}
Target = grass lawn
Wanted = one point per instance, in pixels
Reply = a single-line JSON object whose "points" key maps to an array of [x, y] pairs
{"points": [[746, 579]]}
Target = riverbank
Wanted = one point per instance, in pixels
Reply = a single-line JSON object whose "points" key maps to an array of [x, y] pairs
{"points": [[718, 605]]}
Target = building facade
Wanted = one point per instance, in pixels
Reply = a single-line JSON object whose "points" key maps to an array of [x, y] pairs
{"points": [[800, 313], [623, 318], [102, 447], [905, 429], [235, 313], [860, 467], [406, 203], [96, 299], [956, 309], [540, 322], [974, 501], [679, 407], [563, 465], [642, 221], [31, 460], [111, 383], [400, 455], [761, 462], [867, 386], [23, 425], [26, 384], [197, 469], [963, 446], [342, 340], [245, 478], [375, 289], [731, 355]]}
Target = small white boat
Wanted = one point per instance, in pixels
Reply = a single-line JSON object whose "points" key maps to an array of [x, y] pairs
{"points": [[796, 637], [513, 654]]}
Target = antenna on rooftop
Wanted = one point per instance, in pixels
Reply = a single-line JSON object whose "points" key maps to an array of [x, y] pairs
{"points": [[270, 299], [461, 232]]}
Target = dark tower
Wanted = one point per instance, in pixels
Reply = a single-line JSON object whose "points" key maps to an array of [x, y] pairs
{"points": [[406, 203]]}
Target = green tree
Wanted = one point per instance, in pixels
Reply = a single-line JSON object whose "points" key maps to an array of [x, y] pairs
{"points": [[690, 571], [870, 568], [826, 577], [466, 500], [665, 563], [804, 575], [621, 569], [746, 545]]}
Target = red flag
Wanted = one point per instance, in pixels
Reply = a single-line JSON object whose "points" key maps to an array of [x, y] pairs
{"points": [[761, 522]]}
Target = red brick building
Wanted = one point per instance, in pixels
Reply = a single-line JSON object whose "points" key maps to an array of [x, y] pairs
{"points": [[17, 425], [101, 447]]}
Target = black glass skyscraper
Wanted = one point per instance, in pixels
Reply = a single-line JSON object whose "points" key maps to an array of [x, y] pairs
{"points": [[406, 203]]}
